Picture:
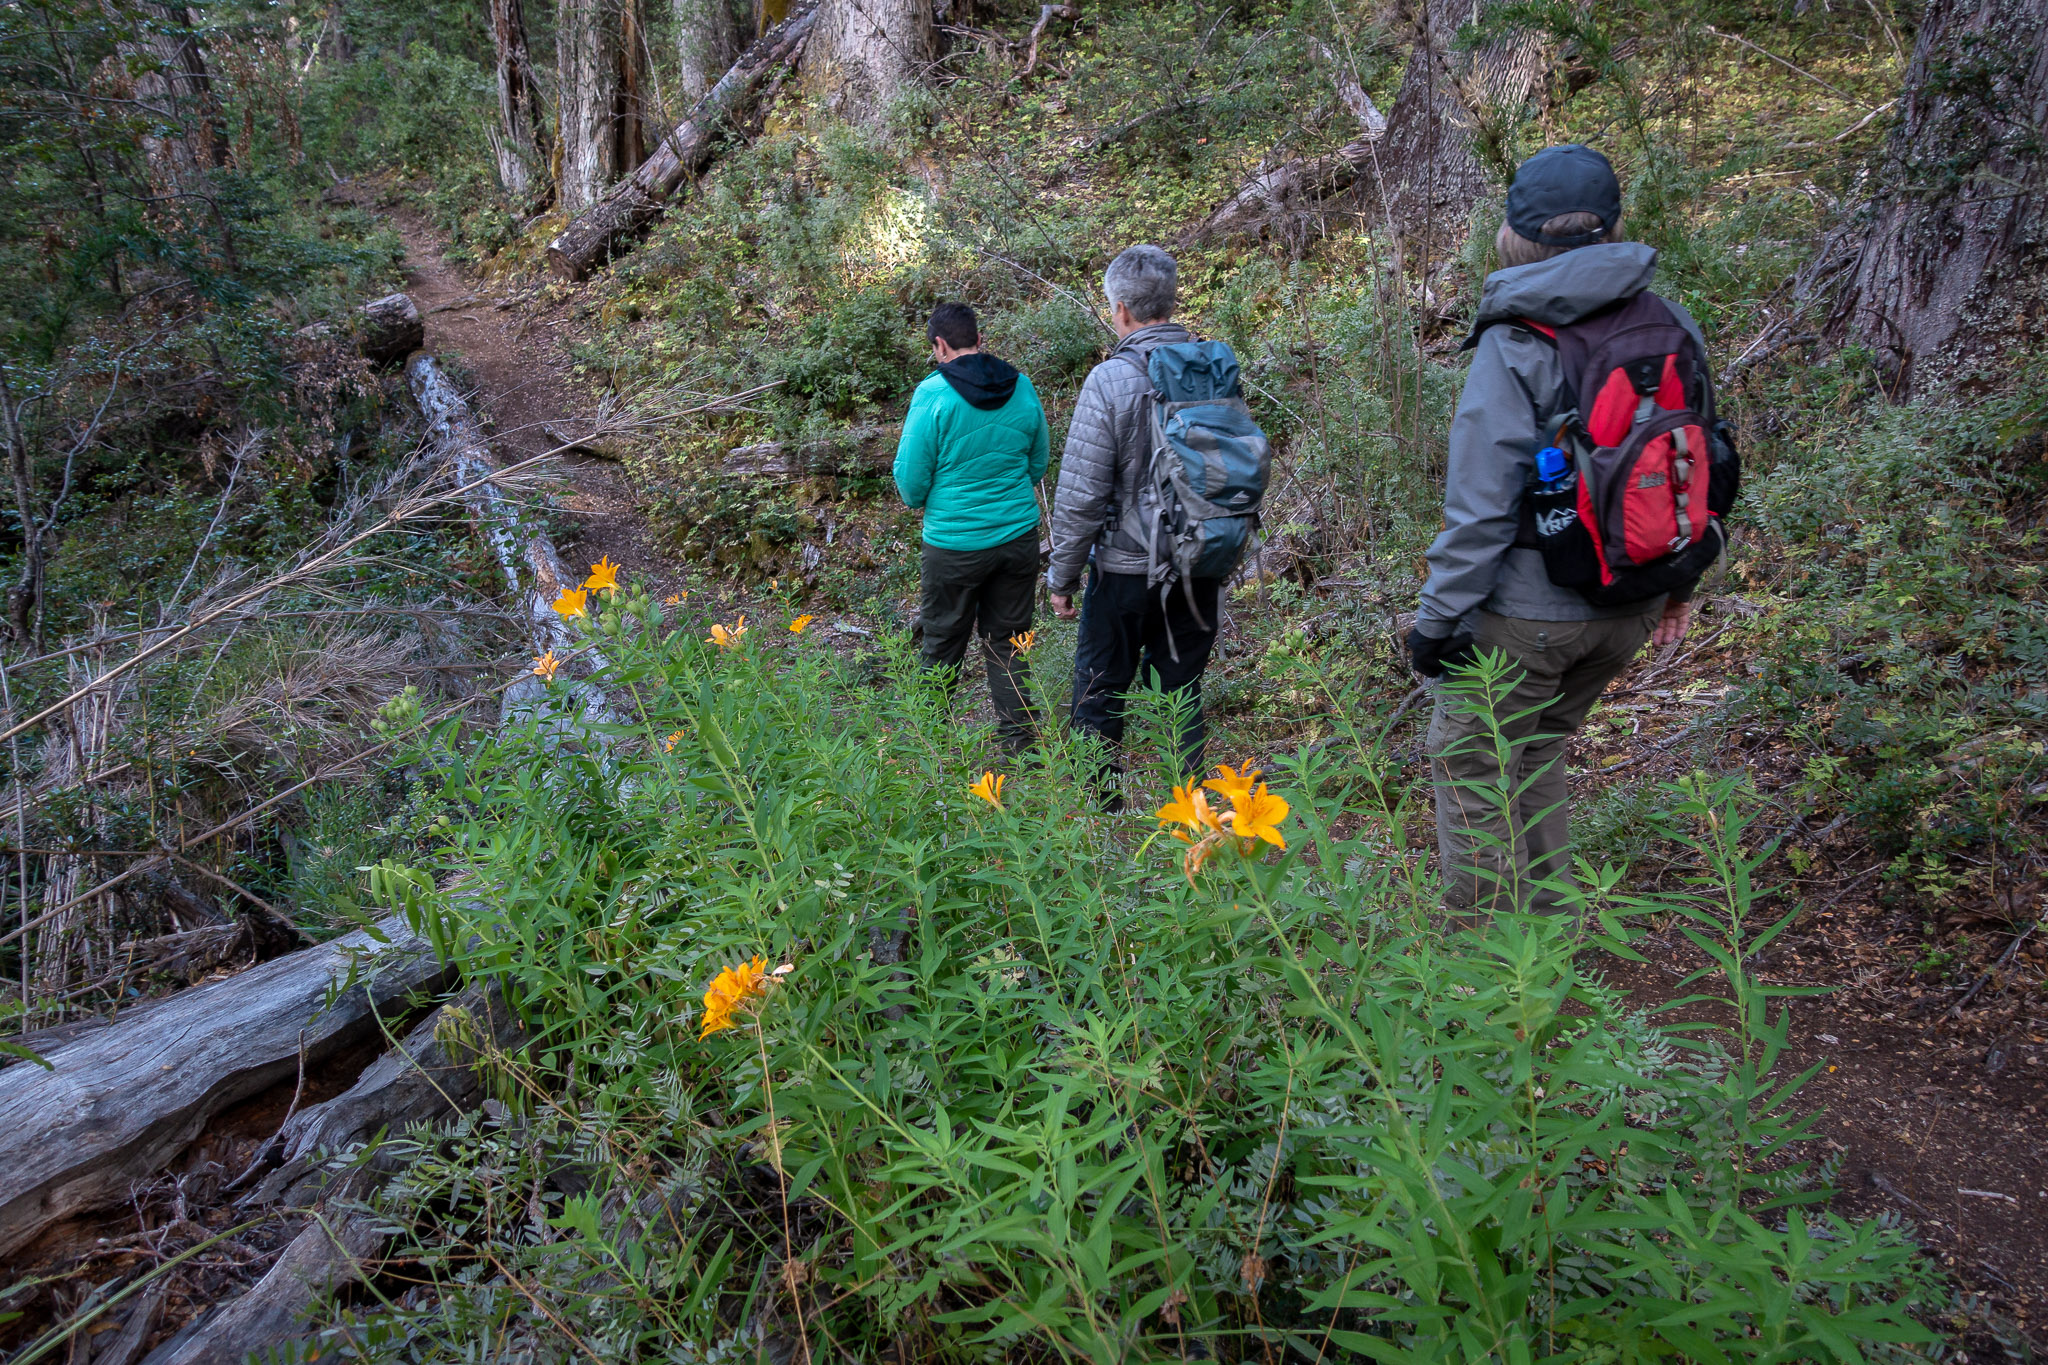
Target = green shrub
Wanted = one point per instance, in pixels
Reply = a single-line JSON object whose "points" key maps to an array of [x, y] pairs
{"points": [[1031, 1090], [854, 354]]}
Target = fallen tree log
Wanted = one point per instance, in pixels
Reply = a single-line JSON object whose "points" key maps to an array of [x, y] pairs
{"points": [[638, 199], [1419, 167], [389, 329], [329, 1252], [1303, 182], [859, 451], [431, 1073], [533, 570], [121, 1101]]}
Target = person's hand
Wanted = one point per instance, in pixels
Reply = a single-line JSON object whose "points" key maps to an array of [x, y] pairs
{"points": [[1670, 630], [1063, 606], [1429, 655]]}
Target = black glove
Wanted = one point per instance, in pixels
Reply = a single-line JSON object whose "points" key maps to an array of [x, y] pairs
{"points": [[1430, 655]]}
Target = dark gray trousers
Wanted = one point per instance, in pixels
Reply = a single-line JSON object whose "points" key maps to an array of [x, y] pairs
{"points": [[964, 593]]}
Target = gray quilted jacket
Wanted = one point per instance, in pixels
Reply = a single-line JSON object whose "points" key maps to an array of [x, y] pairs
{"points": [[1108, 444], [1513, 394]]}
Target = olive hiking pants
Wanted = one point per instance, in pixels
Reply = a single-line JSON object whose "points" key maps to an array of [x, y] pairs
{"points": [[1495, 849]]}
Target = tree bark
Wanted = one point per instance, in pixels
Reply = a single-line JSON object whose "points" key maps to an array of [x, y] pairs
{"points": [[1447, 137], [631, 54], [175, 93], [1423, 168], [637, 200], [521, 140], [860, 450], [125, 1099], [868, 52], [587, 100], [710, 35], [1950, 258]]}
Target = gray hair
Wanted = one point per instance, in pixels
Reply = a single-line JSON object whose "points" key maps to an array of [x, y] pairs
{"points": [[1514, 249], [1142, 279]]}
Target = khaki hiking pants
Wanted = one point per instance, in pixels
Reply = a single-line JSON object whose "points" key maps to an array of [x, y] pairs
{"points": [[1492, 857]]}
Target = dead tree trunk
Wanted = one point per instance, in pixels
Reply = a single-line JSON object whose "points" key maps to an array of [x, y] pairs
{"points": [[520, 139], [630, 121], [637, 200], [125, 1099], [710, 35], [860, 450], [1952, 254], [1423, 168], [868, 52], [433, 1071], [1303, 183], [587, 100], [1447, 137]]}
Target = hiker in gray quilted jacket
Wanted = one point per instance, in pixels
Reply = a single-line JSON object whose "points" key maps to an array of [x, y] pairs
{"points": [[1124, 625], [1488, 590]]}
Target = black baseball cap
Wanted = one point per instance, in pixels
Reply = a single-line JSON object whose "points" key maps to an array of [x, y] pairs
{"points": [[1569, 178]]}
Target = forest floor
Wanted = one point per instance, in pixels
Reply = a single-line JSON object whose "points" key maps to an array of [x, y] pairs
{"points": [[1936, 1119]]}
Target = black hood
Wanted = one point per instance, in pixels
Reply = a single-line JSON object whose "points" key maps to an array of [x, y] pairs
{"points": [[982, 380]]}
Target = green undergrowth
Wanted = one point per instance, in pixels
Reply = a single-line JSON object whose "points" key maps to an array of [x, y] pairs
{"points": [[1023, 1088], [1910, 651]]}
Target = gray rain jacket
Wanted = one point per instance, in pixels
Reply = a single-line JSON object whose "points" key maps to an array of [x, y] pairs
{"points": [[1109, 443], [1514, 394]]}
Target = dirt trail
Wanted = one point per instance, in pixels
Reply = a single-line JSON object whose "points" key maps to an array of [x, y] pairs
{"points": [[525, 384], [1949, 1130]]}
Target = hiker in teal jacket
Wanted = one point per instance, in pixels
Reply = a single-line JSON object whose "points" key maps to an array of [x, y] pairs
{"points": [[974, 449]]}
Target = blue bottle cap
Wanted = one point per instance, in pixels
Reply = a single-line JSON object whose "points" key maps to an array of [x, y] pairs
{"points": [[1551, 464]]}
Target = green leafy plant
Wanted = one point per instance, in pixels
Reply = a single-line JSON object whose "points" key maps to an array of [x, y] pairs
{"points": [[1031, 1083]]}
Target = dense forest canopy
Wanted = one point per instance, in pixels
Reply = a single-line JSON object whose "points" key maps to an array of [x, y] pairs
{"points": [[417, 951]]}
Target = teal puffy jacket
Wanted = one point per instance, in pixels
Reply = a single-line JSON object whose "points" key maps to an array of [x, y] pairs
{"points": [[971, 466]]}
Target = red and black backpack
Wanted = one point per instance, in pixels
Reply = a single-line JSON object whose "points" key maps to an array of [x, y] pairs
{"points": [[1638, 512]]}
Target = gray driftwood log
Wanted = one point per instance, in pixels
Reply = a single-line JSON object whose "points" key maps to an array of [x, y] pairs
{"points": [[861, 450], [638, 199], [329, 1252], [430, 1074], [124, 1100]]}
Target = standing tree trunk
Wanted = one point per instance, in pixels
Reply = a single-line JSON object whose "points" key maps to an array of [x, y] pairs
{"points": [[174, 92], [868, 51], [520, 141], [635, 201], [1421, 169], [710, 35], [1447, 141], [1954, 250], [631, 118], [587, 82]]}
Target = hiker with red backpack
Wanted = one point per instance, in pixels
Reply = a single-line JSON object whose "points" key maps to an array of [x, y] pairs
{"points": [[1588, 475]]}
